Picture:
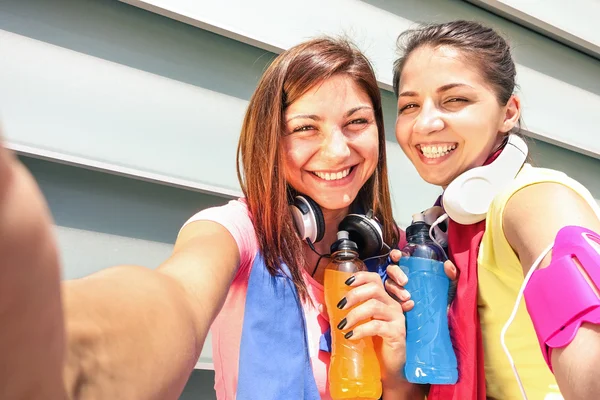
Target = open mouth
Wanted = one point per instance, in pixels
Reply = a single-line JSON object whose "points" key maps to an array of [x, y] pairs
{"points": [[334, 176], [436, 151]]}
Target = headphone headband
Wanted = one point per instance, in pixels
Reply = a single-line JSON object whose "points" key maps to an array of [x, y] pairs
{"points": [[364, 230]]}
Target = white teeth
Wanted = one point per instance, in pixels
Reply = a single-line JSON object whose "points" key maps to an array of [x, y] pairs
{"points": [[332, 176], [436, 151]]}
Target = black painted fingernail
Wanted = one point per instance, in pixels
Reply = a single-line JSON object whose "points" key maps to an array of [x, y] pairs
{"points": [[349, 334], [342, 324], [342, 303], [350, 280]]}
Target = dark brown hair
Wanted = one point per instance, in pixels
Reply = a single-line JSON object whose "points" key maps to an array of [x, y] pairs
{"points": [[480, 44], [260, 155]]}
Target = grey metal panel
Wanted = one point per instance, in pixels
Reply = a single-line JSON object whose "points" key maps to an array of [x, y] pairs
{"points": [[104, 203], [586, 170], [544, 66], [573, 23], [103, 81]]}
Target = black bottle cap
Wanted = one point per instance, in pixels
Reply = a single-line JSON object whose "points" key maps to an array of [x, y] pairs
{"points": [[416, 228], [343, 243]]}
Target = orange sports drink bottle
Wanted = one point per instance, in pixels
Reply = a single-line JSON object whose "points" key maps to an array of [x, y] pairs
{"points": [[354, 368]]}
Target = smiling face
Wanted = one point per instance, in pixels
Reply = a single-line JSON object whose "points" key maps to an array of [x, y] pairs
{"points": [[330, 142], [449, 119]]}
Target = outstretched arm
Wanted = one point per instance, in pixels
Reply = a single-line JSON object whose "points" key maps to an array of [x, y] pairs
{"points": [[137, 333], [127, 332], [31, 320]]}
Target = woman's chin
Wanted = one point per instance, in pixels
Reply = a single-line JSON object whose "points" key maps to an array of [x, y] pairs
{"points": [[436, 179], [335, 203]]}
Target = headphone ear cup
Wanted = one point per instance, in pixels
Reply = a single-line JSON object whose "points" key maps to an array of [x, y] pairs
{"points": [[365, 232], [468, 197], [308, 218], [319, 219]]}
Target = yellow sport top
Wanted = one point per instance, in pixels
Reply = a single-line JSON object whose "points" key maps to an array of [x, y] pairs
{"points": [[500, 278]]}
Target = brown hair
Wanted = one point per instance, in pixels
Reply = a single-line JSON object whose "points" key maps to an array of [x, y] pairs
{"points": [[260, 156], [480, 44]]}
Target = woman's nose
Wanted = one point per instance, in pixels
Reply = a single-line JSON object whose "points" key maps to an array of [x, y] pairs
{"points": [[336, 145], [428, 121]]}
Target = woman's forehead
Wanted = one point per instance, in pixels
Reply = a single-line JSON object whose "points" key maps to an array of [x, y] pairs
{"points": [[337, 92], [428, 66]]}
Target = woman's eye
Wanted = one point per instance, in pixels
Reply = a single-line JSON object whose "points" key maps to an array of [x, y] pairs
{"points": [[456, 100], [359, 121], [406, 108], [303, 128]]}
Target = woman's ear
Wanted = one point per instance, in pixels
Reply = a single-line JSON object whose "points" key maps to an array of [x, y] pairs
{"points": [[512, 113]]}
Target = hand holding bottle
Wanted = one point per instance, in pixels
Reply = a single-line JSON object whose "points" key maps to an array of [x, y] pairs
{"points": [[370, 312], [430, 357], [395, 285]]}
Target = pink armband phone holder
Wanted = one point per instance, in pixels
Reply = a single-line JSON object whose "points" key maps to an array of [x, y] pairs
{"points": [[564, 295]]}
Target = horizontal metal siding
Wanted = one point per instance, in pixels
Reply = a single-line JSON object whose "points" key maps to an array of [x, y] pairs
{"points": [[548, 72]]}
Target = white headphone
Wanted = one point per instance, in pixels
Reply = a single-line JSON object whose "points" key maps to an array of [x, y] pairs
{"points": [[467, 199]]}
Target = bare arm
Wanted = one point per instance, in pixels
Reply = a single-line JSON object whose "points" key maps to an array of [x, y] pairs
{"points": [[137, 333], [127, 332], [31, 323], [532, 218]]}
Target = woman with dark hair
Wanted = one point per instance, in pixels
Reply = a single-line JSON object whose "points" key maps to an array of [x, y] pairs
{"points": [[458, 123]]}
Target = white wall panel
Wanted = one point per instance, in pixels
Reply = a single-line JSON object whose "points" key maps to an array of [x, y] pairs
{"points": [[574, 22], [375, 25], [132, 121], [62, 101]]}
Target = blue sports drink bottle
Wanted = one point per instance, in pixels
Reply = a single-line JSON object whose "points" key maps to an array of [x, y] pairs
{"points": [[430, 357]]}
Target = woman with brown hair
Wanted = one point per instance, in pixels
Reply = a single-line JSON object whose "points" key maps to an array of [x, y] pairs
{"points": [[311, 156], [458, 123]]}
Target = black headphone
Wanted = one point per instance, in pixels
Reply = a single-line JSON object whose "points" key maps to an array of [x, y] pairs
{"points": [[364, 230]]}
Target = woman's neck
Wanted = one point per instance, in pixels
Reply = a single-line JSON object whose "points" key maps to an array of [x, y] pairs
{"points": [[332, 220]]}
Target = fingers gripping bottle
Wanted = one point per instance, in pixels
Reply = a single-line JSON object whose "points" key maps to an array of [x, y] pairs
{"points": [[354, 368], [430, 357]]}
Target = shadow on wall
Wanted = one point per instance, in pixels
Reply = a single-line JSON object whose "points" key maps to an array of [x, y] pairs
{"points": [[100, 202], [584, 169], [104, 220], [200, 386], [140, 39]]}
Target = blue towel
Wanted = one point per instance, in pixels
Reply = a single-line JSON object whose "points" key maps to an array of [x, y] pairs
{"points": [[274, 361], [274, 358]]}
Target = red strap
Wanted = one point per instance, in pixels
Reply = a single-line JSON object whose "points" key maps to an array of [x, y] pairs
{"points": [[463, 317]]}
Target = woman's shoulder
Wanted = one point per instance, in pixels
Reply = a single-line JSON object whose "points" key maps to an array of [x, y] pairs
{"points": [[527, 177], [530, 172], [235, 211], [530, 175], [235, 217]]}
